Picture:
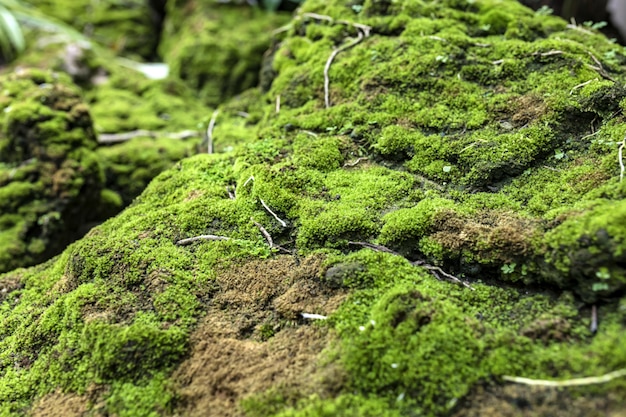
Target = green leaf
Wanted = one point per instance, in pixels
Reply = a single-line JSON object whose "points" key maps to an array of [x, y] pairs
{"points": [[11, 37]]}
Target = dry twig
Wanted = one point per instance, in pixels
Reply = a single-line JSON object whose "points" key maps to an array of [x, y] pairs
{"points": [[549, 53], [308, 132], [248, 180], [121, 137], [231, 192], [621, 160], [282, 223], [190, 240], [355, 163], [332, 56], [581, 85], [265, 233], [568, 382], [434, 270], [312, 316], [209, 132]]}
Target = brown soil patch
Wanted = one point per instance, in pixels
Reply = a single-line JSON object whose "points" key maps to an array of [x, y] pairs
{"points": [[527, 109], [9, 284], [253, 338], [59, 404], [502, 236], [527, 401]]}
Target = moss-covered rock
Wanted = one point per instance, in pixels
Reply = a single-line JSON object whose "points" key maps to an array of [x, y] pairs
{"points": [[399, 143], [130, 28], [50, 177], [217, 48]]}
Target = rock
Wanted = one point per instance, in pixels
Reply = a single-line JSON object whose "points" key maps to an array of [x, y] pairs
{"points": [[50, 178], [455, 141], [217, 49]]}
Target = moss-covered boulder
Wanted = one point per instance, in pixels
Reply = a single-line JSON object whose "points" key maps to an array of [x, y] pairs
{"points": [[403, 149], [50, 178], [160, 121], [217, 47], [130, 28]]}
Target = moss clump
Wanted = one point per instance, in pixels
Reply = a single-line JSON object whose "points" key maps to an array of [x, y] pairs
{"points": [[205, 46], [50, 177], [130, 28], [130, 166]]}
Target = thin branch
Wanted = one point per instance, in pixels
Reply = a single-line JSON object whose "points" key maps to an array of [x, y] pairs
{"points": [[373, 246], [190, 240], [590, 135], [549, 53], [435, 270], [355, 163], [574, 26], [231, 194], [308, 132], [209, 132], [568, 382], [330, 61], [278, 104], [282, 223], [318, 16], [121, 137], [311, 316], [265, 233], [248, 180], [576, 87], [598, 63], [621, 160], [243, 114]]}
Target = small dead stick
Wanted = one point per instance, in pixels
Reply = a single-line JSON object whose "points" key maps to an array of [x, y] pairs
{"points": [[190, 240], [355, 163], [621, 160], [268, 237], [282, 223], [231, 192], [209, 132], [265, 233], [568, 382], [330, 61], [435, 270], [373, 246], [124, 136]]}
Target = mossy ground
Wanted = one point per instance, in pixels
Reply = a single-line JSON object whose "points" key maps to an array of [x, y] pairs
{"points": [[478, 136]]}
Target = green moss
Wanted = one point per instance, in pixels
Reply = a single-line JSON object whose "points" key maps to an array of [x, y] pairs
{"points": [[49, 176], [205, 47], [466, 144], [422, 343], [129, 29]]}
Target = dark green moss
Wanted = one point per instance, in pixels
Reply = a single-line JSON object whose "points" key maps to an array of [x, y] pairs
{"points": [[50, 178]]}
